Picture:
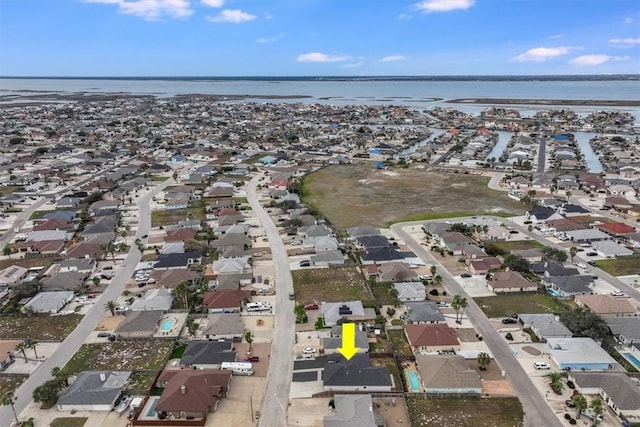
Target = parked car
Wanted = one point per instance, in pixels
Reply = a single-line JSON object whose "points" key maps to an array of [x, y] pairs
{"points": [[541, 365], [309, 350], [252, 359], [311, 307], [509, 320], [292, 296], [465, 275], [617, 293], [104, 334], [305, 263]]}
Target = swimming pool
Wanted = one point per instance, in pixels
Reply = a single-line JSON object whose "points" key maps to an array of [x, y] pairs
{"points": [[414, 381], [167, 324], [152, 409], [634, 360], [553, 292]]}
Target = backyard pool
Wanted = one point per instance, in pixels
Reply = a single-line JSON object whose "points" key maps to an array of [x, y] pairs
{"points": [[166, 325], [553, 293], [414, 381], [152, 409], [634, 360]]}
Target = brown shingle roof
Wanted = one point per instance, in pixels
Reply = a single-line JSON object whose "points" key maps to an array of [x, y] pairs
{"points": [[226, 298], [431, 335], [606, 304], [193, 391]]}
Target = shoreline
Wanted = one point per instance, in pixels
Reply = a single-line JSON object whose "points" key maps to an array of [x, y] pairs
{"points": [[550, 102]]}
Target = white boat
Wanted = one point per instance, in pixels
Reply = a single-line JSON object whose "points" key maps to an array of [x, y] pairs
{"points": [[124, 404]]}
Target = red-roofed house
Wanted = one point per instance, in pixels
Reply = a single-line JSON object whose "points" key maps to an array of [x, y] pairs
{"points": [[616, 228], [54, 224], [180, 235], [431, 337], [226, 301], [192, 394]]}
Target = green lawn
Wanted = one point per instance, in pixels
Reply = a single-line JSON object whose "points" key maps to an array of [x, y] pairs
{"points": [[9, 189], [157, 178], [383, 292], [121, 355], [178, 352], [515, 245], [506, 305], [39, 328], [141, 383], [464, 412], [69, 422], [38, 214], [330, 285], [170, 217], [622, 266]]}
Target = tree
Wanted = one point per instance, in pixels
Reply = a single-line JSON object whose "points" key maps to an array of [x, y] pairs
{"points": [[573, 251], [182, 293], [248, 337], [9, 399], [598, 410], [111, 248], [483, 360], [59, 374], [21, 347], [7, 251], [459, 303], [555, 382], [580, 403], [438, 279], [95, 280], [554, 254], [110, 306], [433, 270], [517, 263], [47, 392], [32, 344], [585, 323]]}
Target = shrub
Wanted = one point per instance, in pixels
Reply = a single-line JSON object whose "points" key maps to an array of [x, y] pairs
{"points": [[573, 421], [571, 385], [433, 292], [509, 336], [567, 416]]}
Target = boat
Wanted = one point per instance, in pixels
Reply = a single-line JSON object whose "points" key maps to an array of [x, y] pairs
{"points": [[124, 404]]}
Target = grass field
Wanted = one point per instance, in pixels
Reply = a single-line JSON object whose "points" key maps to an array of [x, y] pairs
{"points": [[39, 328], [383, 292], [10, 383], [622, 266], [361, 195], [464, 412], [9, 189], [38, 214], [141, 383], [121, 355], [168, 217], [506, 305], [26, 262], [330, 285], [515, 245], [399, 341], [69, 422]]}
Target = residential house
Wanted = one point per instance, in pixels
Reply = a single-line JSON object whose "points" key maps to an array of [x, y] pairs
{"points": [[328, 258], [139, 325], [586, 235], [607, 306], [68, 281], [154, 299], [510, 281], [431, 338], [453, 241], [228, 326], [553, 268], [12, 275], [575, 354], [383, 255], [443, 375], [180, 235], [530, 255], [207, 354], [411, 291], [226, 301], [355, 375], [568, 286], [545, 325], [192, 394], [353, 410], [542, 214], [625, 329], [94, 391], [617, 390], [611, 249], [391, 272], [170, 278], [332, 312], [86, 266], [331, 343], [484, 265], [422, 312], [177, 260], [48, 302]]}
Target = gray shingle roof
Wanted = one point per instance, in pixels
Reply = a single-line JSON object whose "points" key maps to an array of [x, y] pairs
{"points": [[618, 386], [423, 311], [90, 389]]}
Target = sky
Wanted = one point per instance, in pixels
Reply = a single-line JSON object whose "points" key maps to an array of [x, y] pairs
{"points": [[318, 37]]}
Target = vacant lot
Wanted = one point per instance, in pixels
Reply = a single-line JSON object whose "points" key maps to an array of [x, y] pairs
{"points": [[9, 189], [399, 342], [330, 285], [361, 195], [10, 383], [168, 217], [506, 305], [384, 293], [27, 262], [121, 355], [39, 328], [69, 422], [141, 383], [464, 412], [515, 245], [622, 266]]}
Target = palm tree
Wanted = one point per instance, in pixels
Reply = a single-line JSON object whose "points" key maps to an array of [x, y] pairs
{"points": [[555, 382], [22, 347], [463, 304], [483, 360], [111, 248], [455, 304], [573, 251], [438, 279], [111, 307], [580, 403], [433, 270], [182, 293], [248, 337], [32, 344], [9, 399], [598, 410]]}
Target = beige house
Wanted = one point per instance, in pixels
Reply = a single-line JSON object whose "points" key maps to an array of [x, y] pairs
{"points": [[608, 306], [510, 281]]}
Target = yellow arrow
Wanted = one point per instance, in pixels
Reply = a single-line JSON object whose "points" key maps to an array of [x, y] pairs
{"points": [[348, 349]]}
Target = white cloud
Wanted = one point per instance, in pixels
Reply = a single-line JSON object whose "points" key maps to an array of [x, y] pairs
{"points": [[320, 57], [590, 60], [352, 65], [541, 54], [429, 6], [404, 16], [393, 58], [235, 16], [628, 20], [212, 3], [151, 9], [269, 39], [556, 36], [628, 42]]}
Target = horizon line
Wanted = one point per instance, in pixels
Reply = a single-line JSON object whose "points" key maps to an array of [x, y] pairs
{"points": [[398, 76]]}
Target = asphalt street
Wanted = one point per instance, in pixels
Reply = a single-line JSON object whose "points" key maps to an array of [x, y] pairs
{"points": [[537, 412], [276, 395], [90, 321]]}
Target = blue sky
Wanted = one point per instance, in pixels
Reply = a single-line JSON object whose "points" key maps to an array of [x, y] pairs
{"points": [[318, 37]]}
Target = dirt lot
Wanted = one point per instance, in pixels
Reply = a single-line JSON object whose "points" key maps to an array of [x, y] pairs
{"points": [[330, 285], [464, 412], [123, 355], [109, 323], [10, 382], [361, 195], [47, 328]]}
